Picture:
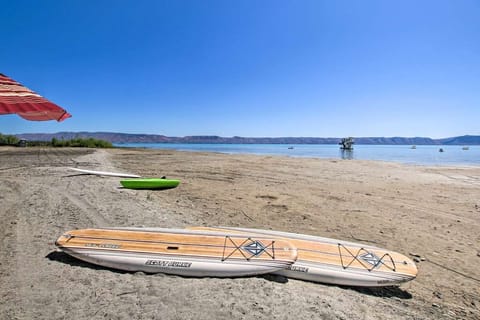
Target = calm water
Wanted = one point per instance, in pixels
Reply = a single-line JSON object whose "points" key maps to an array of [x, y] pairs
{"points": [[423, 155]]}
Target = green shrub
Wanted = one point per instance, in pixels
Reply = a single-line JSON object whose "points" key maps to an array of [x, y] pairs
{"points": [[76, 142], [8, 140], [82, 142]]}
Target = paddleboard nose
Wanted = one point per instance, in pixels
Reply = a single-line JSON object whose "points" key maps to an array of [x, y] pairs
{"points": [[62, 240], [413, 269]]}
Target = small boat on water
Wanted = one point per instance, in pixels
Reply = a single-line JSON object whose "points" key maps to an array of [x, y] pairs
{"points": [[465, 148], [346, 143]]}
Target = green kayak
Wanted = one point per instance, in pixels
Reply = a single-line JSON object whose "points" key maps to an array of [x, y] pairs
{"points": [[149, 183]]}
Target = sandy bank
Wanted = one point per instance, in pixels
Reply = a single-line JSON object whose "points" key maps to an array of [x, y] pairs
{"points": [[430, 211]]}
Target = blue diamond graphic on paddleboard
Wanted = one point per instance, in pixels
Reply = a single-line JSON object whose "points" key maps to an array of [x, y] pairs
{"points": [[370, 258], [255, 248]]}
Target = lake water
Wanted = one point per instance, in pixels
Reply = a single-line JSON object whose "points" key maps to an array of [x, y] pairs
{"points": [[422, 155]]}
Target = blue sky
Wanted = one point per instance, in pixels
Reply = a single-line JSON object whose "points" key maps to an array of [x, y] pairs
{"points": [[248, 68]]}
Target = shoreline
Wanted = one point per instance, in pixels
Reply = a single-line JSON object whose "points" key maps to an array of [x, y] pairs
{"points": [[421, 165], [429, 212], [365, 152]]}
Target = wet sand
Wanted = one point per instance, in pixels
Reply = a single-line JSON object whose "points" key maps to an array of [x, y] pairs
{"points": [[430, 212]]}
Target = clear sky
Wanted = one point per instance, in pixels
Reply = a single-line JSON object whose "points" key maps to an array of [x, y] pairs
{"points": [[248, 68]]}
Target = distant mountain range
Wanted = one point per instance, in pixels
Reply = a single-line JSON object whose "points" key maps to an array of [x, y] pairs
{"points": [[154, 138]]}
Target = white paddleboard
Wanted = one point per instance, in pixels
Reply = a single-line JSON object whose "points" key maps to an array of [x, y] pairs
{"points": [[106, 173], [177, 251], [335, 261]]}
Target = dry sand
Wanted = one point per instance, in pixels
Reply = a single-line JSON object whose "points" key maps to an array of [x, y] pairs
{"points": [[433, 212]]}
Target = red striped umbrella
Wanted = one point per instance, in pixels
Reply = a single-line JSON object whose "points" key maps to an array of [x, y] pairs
{"points": [[15, 98]]}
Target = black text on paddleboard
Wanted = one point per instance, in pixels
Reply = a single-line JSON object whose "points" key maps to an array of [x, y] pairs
{"points": [[168, 264]]}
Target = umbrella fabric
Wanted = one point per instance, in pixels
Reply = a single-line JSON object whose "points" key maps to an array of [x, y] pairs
{"points": [[15, 98]]}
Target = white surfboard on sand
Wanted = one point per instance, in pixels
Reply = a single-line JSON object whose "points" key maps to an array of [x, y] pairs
{"points": [[335, 261], [106, 173], [177, 251]]}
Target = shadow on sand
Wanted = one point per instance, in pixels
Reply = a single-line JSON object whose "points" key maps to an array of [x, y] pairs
{"points": [[382, 292], [66, 259]]}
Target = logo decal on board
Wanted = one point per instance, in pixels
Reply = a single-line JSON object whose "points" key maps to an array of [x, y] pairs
{"points": [[370, 258], [255, 248]]}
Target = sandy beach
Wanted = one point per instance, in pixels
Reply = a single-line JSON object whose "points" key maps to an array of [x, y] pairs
{"points": [[428, 213]]}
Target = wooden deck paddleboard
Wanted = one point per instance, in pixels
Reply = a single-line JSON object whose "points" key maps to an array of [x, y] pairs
{"points": [[180, 252], [149, 183], [105, 173], [335, 261]]}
